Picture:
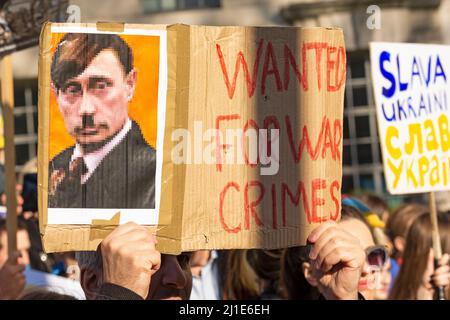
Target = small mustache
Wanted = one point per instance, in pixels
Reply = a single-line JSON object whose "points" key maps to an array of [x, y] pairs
{"points": [[87, 122]]}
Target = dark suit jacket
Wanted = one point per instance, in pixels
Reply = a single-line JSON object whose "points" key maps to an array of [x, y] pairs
{"points": [[124, 179]]}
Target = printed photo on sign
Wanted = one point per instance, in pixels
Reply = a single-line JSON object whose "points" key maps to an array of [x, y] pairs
{"points": [[107, 108]]}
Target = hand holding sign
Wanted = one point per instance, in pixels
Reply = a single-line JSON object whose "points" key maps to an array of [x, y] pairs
{"points": [[338, 259], [130, 258], [434, 276]]}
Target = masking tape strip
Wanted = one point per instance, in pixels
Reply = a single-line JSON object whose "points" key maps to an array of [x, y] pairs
{"points": [[101, 228], [110, 26]]}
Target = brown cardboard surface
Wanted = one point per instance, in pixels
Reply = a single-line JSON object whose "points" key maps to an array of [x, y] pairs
{"points": [[43, 117], [208, 98], [198, 210], [173, 182]]}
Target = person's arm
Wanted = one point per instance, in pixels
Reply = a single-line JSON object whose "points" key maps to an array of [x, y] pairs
{"points": [[337, 259]]}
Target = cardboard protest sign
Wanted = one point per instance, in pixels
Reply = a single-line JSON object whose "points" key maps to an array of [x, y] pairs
{"points": [[410, 88], [251, 151], [21, 21]]}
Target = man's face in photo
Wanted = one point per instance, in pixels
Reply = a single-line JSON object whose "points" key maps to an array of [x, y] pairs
{"points": [[94, 104]]}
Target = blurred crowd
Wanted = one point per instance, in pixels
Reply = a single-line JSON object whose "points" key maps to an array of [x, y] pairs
{"points": [[372, 253]]}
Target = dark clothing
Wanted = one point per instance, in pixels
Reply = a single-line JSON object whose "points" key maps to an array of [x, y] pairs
{"points": [[125, 178], [360, 297], [109, 291], [36, 249]]}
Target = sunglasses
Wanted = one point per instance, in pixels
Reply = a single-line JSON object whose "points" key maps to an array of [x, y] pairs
{"points": [[377, 256]]}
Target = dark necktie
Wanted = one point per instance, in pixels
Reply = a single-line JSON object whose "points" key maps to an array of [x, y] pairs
{"points": [[77, 168]]}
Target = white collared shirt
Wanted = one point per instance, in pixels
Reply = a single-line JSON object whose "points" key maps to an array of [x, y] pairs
{"points": [[93, 159], [206, 285]]}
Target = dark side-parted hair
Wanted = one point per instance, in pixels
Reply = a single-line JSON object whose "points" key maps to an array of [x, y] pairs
{"points": [[75, 52], [251, 274]]}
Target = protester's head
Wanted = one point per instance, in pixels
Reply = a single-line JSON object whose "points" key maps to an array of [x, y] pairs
{"points": [[94, 80], [172, 281], [371, 216], [399, 223], [267, 266], [376, 204], [293, 282], [252, 274], [376, 256], [296, 278], [375, 283], [23, 243], [412, 274]]}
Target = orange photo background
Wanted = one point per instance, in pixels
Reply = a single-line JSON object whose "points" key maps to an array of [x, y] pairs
{"points": [[143, 108]]}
